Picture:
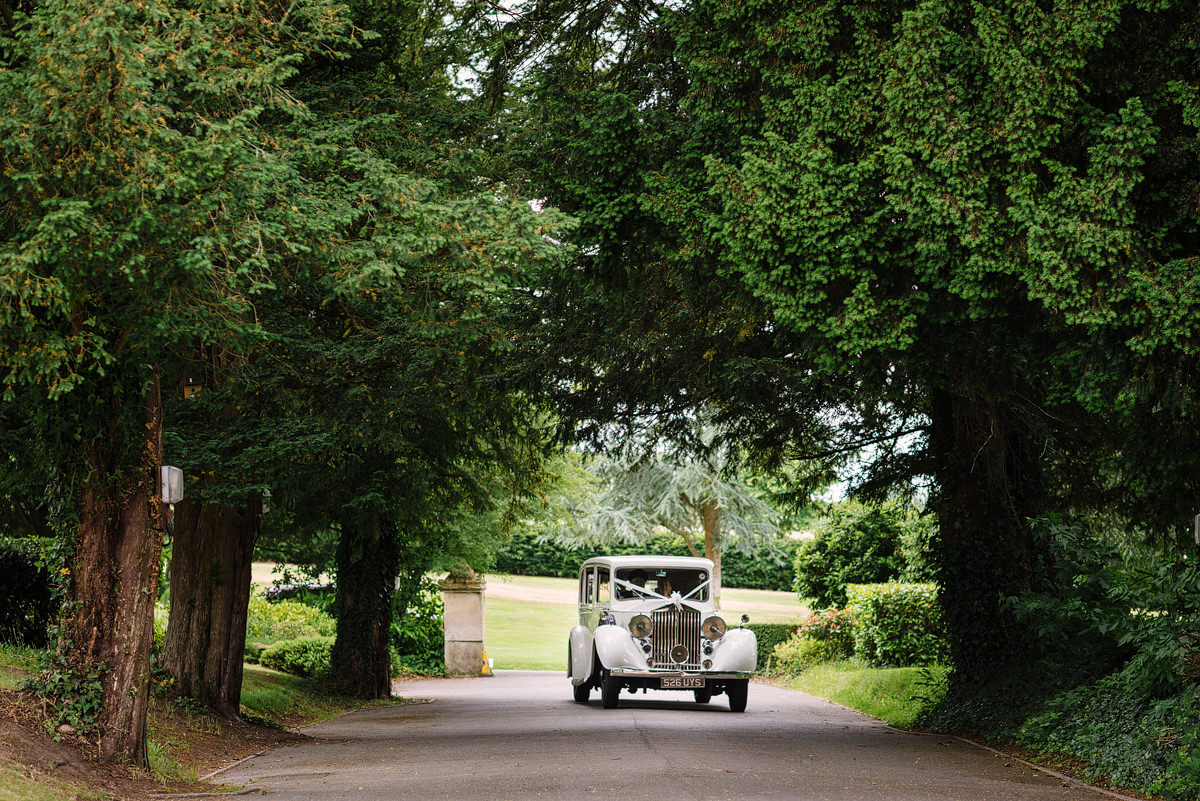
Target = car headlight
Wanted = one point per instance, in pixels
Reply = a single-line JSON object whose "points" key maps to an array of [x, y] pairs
{"points": [[641, 626], [713, 628]]}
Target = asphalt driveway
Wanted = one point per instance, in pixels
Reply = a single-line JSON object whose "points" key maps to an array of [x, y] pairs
{"points": [[518, 735]]}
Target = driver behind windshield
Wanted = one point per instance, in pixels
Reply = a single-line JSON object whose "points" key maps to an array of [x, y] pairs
{"points": [[637, 577]]}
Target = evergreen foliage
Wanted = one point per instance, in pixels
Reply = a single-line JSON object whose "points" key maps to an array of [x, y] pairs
{"points": [[944, 231], [418, 631], [1102, 725]]}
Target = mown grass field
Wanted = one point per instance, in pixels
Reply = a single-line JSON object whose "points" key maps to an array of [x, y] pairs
{"points": [[528, 618]]}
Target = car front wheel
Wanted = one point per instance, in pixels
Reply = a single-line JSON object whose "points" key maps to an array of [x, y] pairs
{"points": [[737, 692], [610, 689]]}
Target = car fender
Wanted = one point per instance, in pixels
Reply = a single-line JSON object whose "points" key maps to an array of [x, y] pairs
{"points": [[737, 652], [617, 649], [580, 669]]}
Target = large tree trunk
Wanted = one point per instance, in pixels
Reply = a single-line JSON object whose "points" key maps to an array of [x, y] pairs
{"points": [[990, 487], [710, 513], [210, 592], [367, 565], [114, 582]]}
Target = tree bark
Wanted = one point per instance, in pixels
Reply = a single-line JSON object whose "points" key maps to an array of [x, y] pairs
{"points": [[710, 513], [211, 555], [990, 487], [367, 566], [115, 578]]}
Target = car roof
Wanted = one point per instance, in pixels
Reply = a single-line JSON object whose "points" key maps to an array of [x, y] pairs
{"points": [[649, 560]]}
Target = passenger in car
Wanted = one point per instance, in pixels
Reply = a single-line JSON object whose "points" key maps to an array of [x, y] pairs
{"points": [[636, 576]]}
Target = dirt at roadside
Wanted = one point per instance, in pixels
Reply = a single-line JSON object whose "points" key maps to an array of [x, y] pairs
{"points": [[203, 747]]}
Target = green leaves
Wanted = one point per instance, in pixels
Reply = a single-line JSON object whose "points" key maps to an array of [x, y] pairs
{"points": [[141, 195]]}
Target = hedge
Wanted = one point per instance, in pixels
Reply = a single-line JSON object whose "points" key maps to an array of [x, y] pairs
{"points": [[525, 555], [769, 635], [272, 621], [897, 625], [303, 656]]}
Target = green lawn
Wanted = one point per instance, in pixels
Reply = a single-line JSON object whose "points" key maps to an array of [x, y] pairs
{"points": [[890, 694], [528, 636], [529, 618]]}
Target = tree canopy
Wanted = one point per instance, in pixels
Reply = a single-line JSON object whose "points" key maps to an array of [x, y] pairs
{"points": [[943, 229], [955, 239]]}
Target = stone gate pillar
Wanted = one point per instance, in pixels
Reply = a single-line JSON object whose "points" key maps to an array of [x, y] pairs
{"points": [[462, 592]]}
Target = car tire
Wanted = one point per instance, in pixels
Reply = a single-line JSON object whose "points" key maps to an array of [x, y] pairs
{"points": [[703, 696], [582, 692], [737, 692], [610, 690]]}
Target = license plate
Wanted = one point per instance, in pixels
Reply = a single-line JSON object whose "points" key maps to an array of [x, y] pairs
{"points": [[682, 682]]}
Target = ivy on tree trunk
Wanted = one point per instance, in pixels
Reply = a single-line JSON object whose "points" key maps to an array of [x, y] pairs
{"points": [[114, 580]]}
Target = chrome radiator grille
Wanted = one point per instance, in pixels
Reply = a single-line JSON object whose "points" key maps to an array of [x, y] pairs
{"points": [[675, 627]]}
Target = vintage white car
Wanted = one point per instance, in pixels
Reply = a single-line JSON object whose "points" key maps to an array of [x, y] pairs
{"points": [[649, 622]]}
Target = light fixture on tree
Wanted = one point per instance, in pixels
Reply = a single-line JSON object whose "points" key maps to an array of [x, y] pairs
{"points": [[170, 483]]}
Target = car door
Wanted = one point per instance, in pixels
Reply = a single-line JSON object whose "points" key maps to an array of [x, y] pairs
{"points": [[595, 590]]}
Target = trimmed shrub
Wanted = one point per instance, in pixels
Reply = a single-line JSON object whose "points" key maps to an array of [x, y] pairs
{"points": [[253, 653], [304, 656], [27, 603], [861, 544], [897, 625], [770, 635], [270, 622]]}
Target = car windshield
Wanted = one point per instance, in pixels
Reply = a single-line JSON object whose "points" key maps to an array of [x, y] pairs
{"points": [[660, 582]]}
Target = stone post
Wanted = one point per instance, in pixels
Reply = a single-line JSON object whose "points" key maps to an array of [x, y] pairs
{"points": [[462, 592]]}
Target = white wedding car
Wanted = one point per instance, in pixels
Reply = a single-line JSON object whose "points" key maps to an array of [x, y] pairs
{"points": [[649, 622]]}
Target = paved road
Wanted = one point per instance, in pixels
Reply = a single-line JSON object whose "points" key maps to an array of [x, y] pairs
{"points": [[518, 735]]}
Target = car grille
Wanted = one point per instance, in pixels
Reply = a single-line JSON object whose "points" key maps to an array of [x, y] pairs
{"points": [[675, 627]]}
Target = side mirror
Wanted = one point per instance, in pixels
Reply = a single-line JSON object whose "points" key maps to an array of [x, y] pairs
{"points": [[745, 619]]}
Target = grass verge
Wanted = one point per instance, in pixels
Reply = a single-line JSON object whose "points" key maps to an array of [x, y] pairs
{"points": [[289, 701], [894, 695], [21, 783], [184, 740], [16, 664]]}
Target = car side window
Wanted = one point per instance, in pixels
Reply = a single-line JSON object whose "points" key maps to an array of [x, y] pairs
{"points": [[589, 586], [602, 585]]}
